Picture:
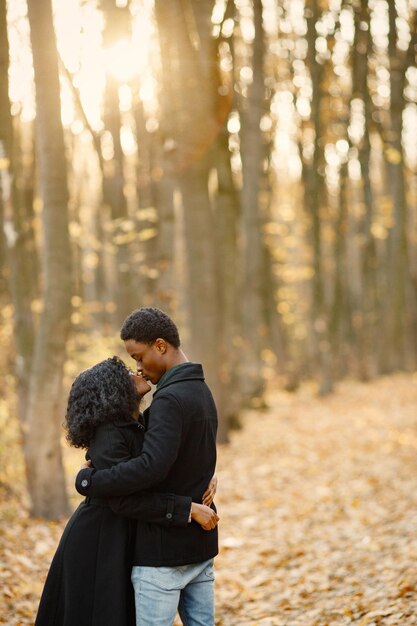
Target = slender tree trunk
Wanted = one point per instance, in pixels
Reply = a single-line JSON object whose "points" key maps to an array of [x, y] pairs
{"points": [[16, 209], [253, 153], [340, 300], [158, 191], [95, 288], [146, 202], [227, 216], [45, 472], [402, 344], [314, 196], [144, 183], [6, 143], [117, 25], [278, 339], [227, 213], [6, 139], [164, 244], [368, 316]]}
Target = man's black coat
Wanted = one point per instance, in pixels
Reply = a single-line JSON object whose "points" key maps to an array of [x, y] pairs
{"points": [[179, 456]]}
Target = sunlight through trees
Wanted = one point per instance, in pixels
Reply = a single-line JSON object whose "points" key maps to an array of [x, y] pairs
{"points": [[248, 166]]}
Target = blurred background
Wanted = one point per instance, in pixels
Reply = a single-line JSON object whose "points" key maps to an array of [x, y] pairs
{"points": [[248, 166]]}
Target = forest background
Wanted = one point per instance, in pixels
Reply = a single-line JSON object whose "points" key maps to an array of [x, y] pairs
{"points": [[249, 166]]}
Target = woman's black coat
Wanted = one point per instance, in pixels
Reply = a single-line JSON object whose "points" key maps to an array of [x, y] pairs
{"points": [[88, 583]]}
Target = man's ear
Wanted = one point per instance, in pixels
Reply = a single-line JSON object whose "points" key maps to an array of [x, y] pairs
{"points": [[161, 345]]}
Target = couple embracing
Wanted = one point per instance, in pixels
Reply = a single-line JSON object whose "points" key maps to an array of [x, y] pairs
{"points": [[142, 543]]}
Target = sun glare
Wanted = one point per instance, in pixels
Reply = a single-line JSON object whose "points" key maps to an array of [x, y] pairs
{"points": [[120, 60], [87, 63], [132, 62]]}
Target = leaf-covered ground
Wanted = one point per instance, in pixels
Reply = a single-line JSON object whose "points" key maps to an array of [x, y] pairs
{"points": [[318, 505]]}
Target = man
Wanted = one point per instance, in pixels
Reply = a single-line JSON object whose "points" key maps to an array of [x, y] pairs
{"points": [[173, 567]]}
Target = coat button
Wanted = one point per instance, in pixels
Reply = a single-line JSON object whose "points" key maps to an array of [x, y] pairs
{"points": [[169, 515], [84, 483]]}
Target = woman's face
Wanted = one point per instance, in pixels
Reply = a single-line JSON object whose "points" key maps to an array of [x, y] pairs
{"points": [[142, 385]]}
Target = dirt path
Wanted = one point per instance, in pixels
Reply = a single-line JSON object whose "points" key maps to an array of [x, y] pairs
{"points": [[318, 505], [318, 500]]}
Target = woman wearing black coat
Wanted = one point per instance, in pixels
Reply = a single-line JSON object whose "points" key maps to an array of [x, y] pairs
{"points": [[88, 583]]}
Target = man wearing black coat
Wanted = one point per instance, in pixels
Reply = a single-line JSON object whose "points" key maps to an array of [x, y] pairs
{"points": [[173, 567]]}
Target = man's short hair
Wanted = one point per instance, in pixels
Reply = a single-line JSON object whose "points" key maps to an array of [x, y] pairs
{"points": [[147, 324]]}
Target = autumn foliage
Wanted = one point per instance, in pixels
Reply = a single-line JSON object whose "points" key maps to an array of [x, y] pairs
{"points": [[317, 499]]}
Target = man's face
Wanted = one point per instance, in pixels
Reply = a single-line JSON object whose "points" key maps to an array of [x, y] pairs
{"points": [[149, 358]]}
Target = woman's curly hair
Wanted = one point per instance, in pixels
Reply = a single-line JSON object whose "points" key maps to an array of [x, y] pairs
{"points": [[103, 393]]}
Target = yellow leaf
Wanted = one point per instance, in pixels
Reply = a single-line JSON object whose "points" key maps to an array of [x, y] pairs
{"points": [[4, 163], [393, 156], [147, 233]]}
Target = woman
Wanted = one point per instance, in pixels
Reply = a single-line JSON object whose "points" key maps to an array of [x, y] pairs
{"points": [[88, 583]]}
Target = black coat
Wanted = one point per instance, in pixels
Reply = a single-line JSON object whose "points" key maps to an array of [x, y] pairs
{"points": [[88, 583], [179, 456]]}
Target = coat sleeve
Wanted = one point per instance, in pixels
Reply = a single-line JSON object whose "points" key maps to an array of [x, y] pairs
{"points": [[159, 452], [109, 448], [166, 509]]}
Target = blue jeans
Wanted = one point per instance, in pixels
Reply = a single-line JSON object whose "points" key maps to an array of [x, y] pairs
{"points": [[160, 591]]}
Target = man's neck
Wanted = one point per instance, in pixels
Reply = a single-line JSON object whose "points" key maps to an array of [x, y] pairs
{"points": [[177, 360], [178, 357]]}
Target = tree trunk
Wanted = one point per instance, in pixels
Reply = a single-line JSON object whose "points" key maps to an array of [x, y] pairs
{"points": [[185, 37], [252, 154], [16, 208], [204, 313], [146, 202], [164, 251], [226, 204], [314, 197], [5, 139], [368, 314], [399, 339], [45, 472], [117, 25], [227, 215], [340, 305], [158, 191]]}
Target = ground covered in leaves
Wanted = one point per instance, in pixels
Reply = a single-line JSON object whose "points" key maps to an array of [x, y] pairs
{"points": [[318, 505]]}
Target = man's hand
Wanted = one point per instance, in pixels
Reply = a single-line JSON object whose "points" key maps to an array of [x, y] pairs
{"points": [[210, 492], [204, 515]]}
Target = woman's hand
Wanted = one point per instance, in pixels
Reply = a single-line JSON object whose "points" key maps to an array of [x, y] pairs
{"points": [[142, 385], [204, 515], [210, 492]]}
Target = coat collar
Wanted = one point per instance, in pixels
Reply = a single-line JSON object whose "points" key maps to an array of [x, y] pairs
{"points": [[187, 371], [129, 421]]}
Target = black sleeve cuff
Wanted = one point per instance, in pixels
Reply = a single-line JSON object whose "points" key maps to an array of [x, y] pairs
{"points": [[181, 508], [83, 481]]}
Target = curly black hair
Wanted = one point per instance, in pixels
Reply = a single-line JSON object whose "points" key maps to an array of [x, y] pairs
{"points": [[147, 324], [103, 393]]}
